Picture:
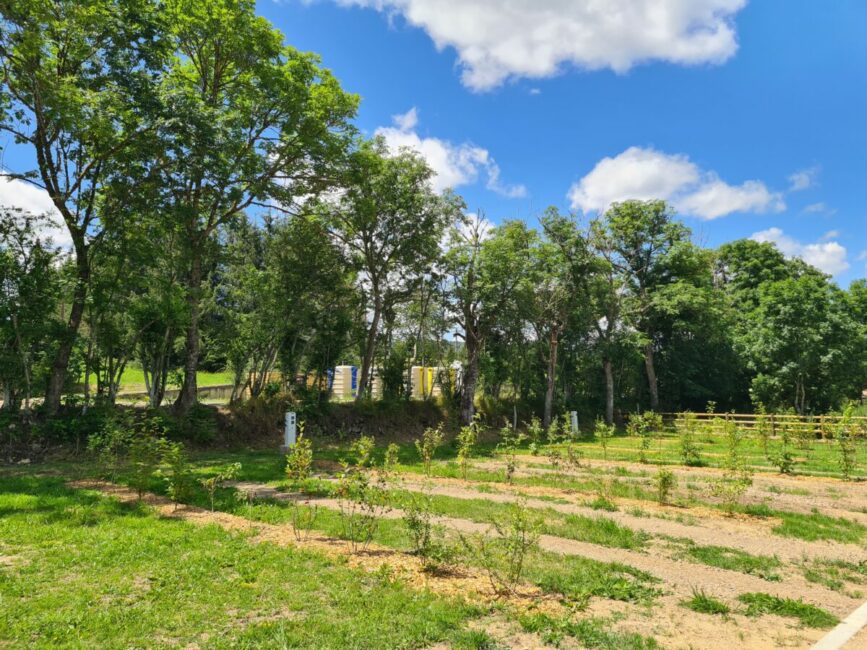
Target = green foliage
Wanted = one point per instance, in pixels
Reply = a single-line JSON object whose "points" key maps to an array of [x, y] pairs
{"points": [[784, 459], [665, 482], [211, 483], [303, 517], [427, 539], [686, 427], [176, 471], [603, 433], [299, 460], [847, 442], [363, 497], [431, 440], [467, 439], [704, 604], [808, 615], [535, 433], [508, 445], [145, 455], [503, 552]]}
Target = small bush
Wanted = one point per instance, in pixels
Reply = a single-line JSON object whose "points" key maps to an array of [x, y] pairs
{"points": [[467, 438], [427, 446], [175, 469], [303, 517], [665, 482], [687, 426], [211, 483], [427, 539], [603, 433], [503, 552], [299, 460], [510, 440]]}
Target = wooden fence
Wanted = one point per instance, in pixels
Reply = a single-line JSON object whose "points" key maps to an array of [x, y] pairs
{"points": [[818, 426]]}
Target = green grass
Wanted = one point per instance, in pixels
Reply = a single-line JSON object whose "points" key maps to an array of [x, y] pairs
{"points": [[88, 571], [572, 577], [835, 574], [704, 604], [589, 632], [819, 457], [733, 559], [809, 615], [813, 526], [132, 379]]}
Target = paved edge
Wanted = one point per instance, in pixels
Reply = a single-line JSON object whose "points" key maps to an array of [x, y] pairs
{"points": [[840, 635]]}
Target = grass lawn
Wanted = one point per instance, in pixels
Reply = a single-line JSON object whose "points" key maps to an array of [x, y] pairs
{"points": [[132, 380], [80, 570]]}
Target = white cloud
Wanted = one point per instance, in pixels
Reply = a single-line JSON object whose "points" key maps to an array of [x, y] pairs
{"points": [[827, 256], [831, 234], [819, 208], [497, 40], [27, 197], [803, 179], [454, 165], [644, 174]]}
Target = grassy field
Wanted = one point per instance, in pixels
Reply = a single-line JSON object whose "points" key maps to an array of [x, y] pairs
{"points": [[79, 568], [132, 380]]}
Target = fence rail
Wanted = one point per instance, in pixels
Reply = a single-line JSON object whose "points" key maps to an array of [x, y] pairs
{"points": [[819, 426]]}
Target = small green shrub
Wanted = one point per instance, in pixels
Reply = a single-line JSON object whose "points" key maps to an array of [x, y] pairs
{"points": [[467, 438], [211, 483], [603, 433], [175, 470], [427, 539], [510, 440], [427, 446], [687, 426], [503, 552], [299, 460], [665, 482]]}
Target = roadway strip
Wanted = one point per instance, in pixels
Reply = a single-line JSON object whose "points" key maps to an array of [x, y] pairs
{"points": [[840, 635]]}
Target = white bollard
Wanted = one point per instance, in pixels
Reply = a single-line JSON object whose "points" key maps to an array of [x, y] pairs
{"points": [[289, 431], [574, 415]]}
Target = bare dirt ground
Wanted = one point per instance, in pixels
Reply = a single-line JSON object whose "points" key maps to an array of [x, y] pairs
{"points": [[803, 494]]}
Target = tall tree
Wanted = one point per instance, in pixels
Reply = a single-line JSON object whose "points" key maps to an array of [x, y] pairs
{"points": [[485, 267], [247, 122], [638, 237], [560, 270], [390, 222], [77, 86]]}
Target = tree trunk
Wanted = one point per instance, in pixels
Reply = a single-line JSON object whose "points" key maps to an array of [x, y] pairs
{"points": [[188, 396], [60, 365], [609, 391], [468, 383], [552, 376], [369, 351], [651, 377]]}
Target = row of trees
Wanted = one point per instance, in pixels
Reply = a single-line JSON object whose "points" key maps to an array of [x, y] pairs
{"points": [[223, 212]]}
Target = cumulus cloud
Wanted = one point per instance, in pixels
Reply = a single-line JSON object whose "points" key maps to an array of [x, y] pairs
{"points": [[17, 194], [454, 164], [645, 173], [827, 256], [803, 179], [498, 40]]}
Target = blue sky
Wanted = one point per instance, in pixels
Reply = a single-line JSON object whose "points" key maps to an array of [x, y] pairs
{"points": [[759, 128], [749, 116]]}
